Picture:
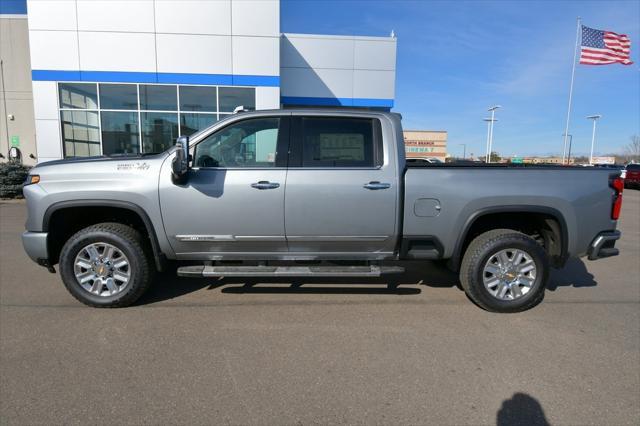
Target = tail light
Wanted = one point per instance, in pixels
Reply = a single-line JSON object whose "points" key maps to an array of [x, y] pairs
{"points": [[617, 184]]}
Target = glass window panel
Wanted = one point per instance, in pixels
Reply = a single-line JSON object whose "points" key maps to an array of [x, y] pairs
{"points": [[198, 98], [118, 96], [233, 97], [159, 130], [249, 143], [161, 98], [119, 132], [80, 133], [78, 95], [191, 123], [337, 142]]}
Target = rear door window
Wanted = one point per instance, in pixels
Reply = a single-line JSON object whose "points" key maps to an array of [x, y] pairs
{"points": [[337, 142]]}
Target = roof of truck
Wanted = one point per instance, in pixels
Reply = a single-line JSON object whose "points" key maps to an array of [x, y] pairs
{"points": [[319, 110]]}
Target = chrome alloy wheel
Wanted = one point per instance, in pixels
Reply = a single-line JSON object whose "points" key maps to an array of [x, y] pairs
{"points": [[102, 269], [509, 274]]}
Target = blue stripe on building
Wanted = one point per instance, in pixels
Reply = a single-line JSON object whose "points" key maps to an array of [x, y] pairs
{"points": [[152, 77], [13, 7], [347, 102]]}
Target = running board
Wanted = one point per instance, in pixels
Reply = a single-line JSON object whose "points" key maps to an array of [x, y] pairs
{"points": [[204, 271]]}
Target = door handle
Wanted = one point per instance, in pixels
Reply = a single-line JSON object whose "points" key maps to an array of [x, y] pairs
{"points": [[264, 184], [377, 185]]}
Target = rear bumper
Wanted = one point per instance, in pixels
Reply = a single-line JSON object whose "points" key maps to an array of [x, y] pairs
{"points": [[35, 244], [603, 245]]}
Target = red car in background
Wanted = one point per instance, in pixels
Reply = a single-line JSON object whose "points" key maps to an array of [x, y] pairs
{"points": [[632, 179]]}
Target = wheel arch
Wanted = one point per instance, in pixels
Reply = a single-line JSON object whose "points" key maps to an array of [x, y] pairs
{"points": [[74, 207], [484, 214]]}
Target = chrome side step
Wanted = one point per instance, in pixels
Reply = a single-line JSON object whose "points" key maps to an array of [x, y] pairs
{"points": [[204, 271]]}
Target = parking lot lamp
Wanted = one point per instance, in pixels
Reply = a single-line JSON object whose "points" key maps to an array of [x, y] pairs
{"points": [[493, 113], [568, 157], [464, 150], [486, 156], [593, 135]]}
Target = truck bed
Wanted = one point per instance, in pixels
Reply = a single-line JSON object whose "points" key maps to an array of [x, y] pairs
{"points": [[442, 200]]}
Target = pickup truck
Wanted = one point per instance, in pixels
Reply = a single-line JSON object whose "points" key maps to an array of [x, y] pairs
{"points": [[306, 192]]}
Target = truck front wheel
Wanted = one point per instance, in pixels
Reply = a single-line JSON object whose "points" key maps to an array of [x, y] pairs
{"points": [[106, 265], [504, 271]]}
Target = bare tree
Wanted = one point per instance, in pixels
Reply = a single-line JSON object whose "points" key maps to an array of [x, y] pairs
{"points": [[632, 150]]}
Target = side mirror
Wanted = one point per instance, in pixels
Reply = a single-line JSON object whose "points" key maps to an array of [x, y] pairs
{"points": [[180, 164]]}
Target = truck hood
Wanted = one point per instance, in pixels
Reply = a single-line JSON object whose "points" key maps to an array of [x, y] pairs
{"points": [[102, 158], [80, 172]]}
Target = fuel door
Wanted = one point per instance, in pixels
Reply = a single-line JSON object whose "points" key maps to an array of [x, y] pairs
{"points": [[427, 207]]}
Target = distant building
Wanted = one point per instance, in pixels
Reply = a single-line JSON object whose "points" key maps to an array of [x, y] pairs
{"points": [[544, 160], [426, 144], [17, 127], [604, 160]]}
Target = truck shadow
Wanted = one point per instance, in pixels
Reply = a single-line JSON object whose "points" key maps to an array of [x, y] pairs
{"points": [[168, 286], [573, 274], [417, 274]]}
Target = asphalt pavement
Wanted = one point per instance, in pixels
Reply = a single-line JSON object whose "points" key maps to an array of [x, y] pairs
{"points": [[198, 351]]}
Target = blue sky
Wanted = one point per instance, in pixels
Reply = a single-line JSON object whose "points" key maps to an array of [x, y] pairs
{"points": [[455, 59]]}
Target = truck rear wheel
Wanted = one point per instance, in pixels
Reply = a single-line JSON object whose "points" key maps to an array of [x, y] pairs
{"points": [[106, 265], [504, 271]]}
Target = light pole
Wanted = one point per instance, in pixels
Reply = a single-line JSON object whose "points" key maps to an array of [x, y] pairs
{"points": [[593, 135], [493, 113], [489, 134], [570, 143], [464, 150], [486, 156]]}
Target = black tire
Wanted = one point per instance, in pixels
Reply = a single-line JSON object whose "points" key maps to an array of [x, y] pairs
{"points": [[486, 245], [132, 245]]}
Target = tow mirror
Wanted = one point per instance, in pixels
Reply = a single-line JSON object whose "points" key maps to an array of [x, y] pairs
{"points": [[180, 164]]}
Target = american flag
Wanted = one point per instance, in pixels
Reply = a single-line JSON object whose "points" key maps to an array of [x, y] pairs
{"points": [[604, 47]]}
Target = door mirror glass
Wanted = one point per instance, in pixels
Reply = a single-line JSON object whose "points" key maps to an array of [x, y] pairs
{"points": [[180, 164]]}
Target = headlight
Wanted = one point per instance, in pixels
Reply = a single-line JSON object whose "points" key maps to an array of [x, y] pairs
{"points": [[31, 179]]}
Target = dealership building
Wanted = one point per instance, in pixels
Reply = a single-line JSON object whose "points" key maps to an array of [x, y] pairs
{"points": [[91, 77]]}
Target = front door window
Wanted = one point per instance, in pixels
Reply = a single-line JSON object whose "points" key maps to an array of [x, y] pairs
{"points": [[249, 143]]}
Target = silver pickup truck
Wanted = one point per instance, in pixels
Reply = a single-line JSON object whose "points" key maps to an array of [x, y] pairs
{"points": [[312, 193]]}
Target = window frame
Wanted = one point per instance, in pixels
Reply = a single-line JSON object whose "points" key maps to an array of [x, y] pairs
{"points": [[282, 144], [219, 115], [296, 145]]}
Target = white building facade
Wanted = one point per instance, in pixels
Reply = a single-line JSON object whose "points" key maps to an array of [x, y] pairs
{"points": [[117, 77]]}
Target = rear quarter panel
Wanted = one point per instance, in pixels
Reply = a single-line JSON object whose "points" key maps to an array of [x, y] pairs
{"points": [[581, 196]]}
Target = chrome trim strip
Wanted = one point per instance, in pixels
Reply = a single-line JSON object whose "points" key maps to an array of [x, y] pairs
{"points": [[227, 238], [329, 238], [284, 255], [260, 238]]}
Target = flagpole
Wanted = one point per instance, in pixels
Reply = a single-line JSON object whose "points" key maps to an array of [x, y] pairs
{"points": [[573, 73]]}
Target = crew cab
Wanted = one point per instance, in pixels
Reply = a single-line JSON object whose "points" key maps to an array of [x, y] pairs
{"points": [[307, 192]]}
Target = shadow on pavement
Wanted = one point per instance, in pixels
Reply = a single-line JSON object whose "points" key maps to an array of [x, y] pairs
{"points": [[574, 274], [431, 274], [168, 286], [521, 409]]}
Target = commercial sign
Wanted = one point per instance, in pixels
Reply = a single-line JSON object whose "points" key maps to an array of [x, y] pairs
{"points": [[425, 143], [604, 160]]}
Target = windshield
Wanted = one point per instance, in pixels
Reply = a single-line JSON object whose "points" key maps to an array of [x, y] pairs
{"points": [[207, 129]]}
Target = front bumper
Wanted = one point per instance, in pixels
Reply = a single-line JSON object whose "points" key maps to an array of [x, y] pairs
{"points": [[35, 244], [603, 245]]}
